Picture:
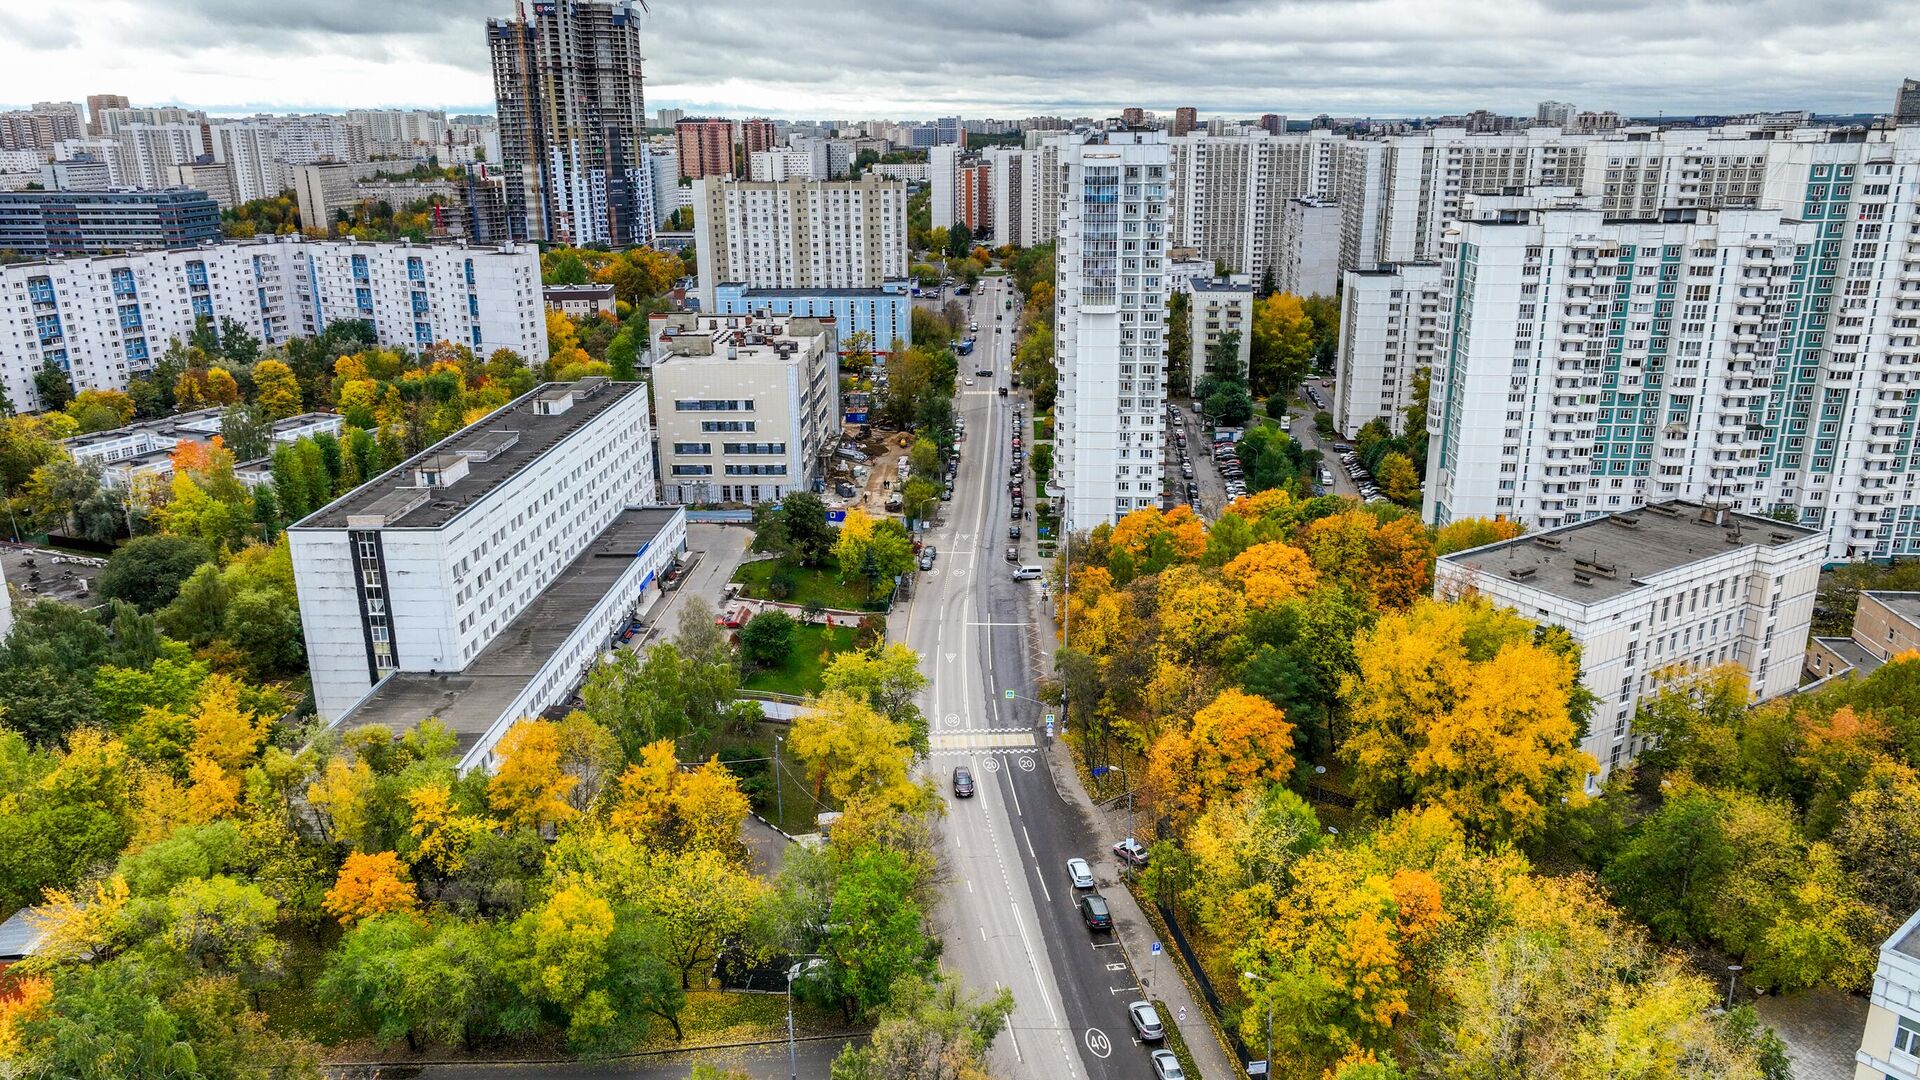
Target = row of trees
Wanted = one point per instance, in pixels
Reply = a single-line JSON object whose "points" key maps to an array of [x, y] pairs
{"points": [[189, 856], [1292, 645]]}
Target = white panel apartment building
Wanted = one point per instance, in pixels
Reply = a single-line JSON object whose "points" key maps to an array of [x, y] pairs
{"points": [[1110, 331], [1389, 329], [413, 587], [155, 148], [107, 318], [943, 182], [1024, 191], [747, 408], [1229, 192], [250, 153], [1218, 307], [795, 234], [1767, 360], [1306, 260], [1671, 589]]}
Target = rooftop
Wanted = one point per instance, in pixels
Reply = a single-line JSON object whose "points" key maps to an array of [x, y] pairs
{"points": [[20, 935], [1605, 557], [471, 700], [395, 495], [889, 288], [1857, 657], [578, 292], [1221, 285], [1904, 604], [1906, 940]]}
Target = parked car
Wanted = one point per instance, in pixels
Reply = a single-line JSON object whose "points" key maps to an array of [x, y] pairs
{"points": [[927, 555], [1013, 555], [1013, 532], [1080, 872], [962, 782], [1146, 1021], [733, 618], [1131, 851], [1166, 1066], [1094, 912]]}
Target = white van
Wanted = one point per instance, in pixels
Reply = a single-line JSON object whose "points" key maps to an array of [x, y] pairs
{"points": [[1027, 572]]}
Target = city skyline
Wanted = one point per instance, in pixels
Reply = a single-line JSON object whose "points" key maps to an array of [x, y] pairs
{"points": [[1392, 58]]}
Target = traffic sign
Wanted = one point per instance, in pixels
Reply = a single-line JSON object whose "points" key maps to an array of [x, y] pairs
{"points": [[1156, 948], [1049, 719], [1256, 1068], [1049, 727], [1009, 695]]}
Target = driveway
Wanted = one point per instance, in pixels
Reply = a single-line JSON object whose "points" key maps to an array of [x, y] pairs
{"points": [[721, 548], [764, 1062]]}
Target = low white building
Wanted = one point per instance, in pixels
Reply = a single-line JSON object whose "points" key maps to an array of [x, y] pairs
{"points": [[106, 318], [1389, 331], [1219, 307], [800, 234], [146, 448], [1890, 1045], [476, 580], [747, 408], [1671, 589]]}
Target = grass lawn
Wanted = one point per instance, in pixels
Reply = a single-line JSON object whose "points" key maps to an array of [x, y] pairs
{"points": [[813, 646], [1042, 428], [810, 586]]}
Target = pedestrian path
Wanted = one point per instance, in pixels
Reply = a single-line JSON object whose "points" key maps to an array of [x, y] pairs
{"points": [[966, 742]]}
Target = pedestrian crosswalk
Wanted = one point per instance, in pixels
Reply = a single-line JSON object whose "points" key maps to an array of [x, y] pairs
{"points": [[986, 739]]}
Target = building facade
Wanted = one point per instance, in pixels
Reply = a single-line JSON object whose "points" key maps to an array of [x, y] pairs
{"points": [[1885, 624], [1389, 332], [1890, 1043], [1219, 307], [748, 408], [573, 119], [475, 580], [884, 315], [1230, 192], [44, 224], [107, 318], [1307, 259], [1758, 359], [1110, 332], [705, 146], [1658, 595], [800, 234]]}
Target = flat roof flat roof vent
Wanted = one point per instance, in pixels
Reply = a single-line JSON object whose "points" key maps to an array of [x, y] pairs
{"points": [[1522, 573], [1624, 520], [1582, 578], [1779, 537], [1662, 509], [487, 445], [1552, 543]]}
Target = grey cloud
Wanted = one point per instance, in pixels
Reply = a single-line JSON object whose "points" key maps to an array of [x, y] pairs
{"points": [[1015, 57]]}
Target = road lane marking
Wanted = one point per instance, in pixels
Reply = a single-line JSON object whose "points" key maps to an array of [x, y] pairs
{"points": [[1030, 852], [1098, 1042], [1032, 960], [1017, 1055]]}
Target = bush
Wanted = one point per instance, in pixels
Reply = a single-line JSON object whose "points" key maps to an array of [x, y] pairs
{"points": [[1323, 422], [783, 582], [147, 571], [767, 638]]}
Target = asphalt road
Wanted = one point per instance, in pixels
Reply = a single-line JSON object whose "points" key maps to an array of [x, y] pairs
{"points": [[1010, 919]]}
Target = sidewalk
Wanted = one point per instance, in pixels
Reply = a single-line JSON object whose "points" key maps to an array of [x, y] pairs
{"points": [[1160, 977]]}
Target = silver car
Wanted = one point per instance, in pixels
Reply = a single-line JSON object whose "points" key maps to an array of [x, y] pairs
{"points": [[1166, 1066], [1080, 872], [1146, 1021]]}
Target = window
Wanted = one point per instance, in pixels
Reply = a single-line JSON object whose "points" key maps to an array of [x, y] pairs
{"points": [[1906, 1037]]}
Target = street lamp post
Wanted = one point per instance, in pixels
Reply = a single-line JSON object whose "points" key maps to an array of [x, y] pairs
{"points": [[779, 800], [1733, 977], [1267, 1064]]}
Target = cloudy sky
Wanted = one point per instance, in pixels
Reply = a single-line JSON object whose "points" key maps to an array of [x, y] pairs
{"points": [[1004, 58]]}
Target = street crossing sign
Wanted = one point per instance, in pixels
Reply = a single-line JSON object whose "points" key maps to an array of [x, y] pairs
{"points": [[1009, 695]]}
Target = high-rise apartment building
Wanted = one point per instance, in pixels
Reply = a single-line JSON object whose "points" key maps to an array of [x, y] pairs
{"points": [[1389, 331], [476, 581], [800, 234], [1306, 260], [107, 318], [706, 147], [41, 126], [943, 183], [1762, 360], [1558, 114], [1185, 118], [949, 131], [97, 102], [973, 199], [1273, 124], [572, 109], [1025, 190], [249, 153], [758, 134], [156, 148], [1229, 192], [1906, 102], [1110, 329], [667, 118]]}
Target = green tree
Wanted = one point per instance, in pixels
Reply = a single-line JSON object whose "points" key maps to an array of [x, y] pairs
{"points": [[52, 386], [767, 638], [147, 571], [930, 1029]]}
